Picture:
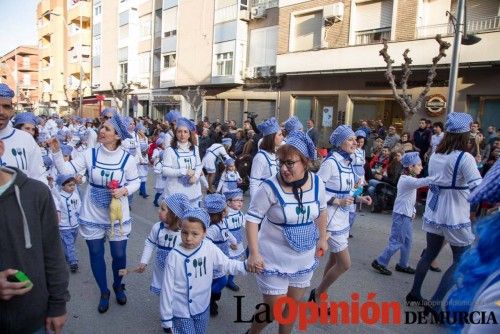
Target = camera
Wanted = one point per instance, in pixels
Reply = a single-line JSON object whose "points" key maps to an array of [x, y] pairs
{"points": [[251, 115]]}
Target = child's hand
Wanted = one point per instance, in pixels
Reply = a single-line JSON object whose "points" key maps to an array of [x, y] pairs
{"points": [[365, 200], [141, 268], [233, 246]]}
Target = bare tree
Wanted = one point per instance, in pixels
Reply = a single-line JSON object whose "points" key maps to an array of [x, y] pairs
{"points": [[411, 107], [195, 99], [72, 98], [120, 96]]}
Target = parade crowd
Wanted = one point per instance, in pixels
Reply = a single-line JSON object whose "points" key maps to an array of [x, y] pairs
{"points": [[68, 178]]}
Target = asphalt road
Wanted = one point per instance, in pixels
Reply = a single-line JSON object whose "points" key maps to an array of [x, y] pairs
{"points": [[141, 313]]}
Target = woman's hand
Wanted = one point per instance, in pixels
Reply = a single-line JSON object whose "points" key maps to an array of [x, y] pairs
{"points": [[365, 200], [255, 263], [190, 172], [345, 201], [120, 192], [321, 247], [141, 268], [54, 145], [193, 179]]}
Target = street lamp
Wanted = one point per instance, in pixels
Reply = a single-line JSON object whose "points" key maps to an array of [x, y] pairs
{"points": [[460, 38]]}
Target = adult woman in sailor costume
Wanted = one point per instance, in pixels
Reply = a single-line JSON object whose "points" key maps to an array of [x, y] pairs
{"points": [[264, 163], [446, 216], [291, 209], [104, 163], [182, 163]]}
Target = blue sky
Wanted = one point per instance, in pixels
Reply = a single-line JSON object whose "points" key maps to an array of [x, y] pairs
{"points": [[17, 24]]}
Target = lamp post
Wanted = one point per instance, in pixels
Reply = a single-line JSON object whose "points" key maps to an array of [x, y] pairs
{"points": [[460, 37]]}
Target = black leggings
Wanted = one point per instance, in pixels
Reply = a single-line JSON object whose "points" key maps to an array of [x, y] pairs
{"points": [[434, 245]]}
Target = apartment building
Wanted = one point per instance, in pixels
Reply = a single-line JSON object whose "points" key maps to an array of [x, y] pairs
{"points": [[64, 34], [328, 51], [19, 70]]}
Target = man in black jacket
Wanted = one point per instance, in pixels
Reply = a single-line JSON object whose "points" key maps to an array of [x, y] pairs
{"points": [[422, 138], [30, 242]]}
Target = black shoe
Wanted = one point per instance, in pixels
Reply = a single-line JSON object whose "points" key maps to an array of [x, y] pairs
{"points": [[214, 309], [406, 270], [144, 195], [312, 296], [232, 286], [418, 301], [103, 302], [380, 268], [167, 330], [121, 298], [435, 269], [351, 236], [73, 268]]}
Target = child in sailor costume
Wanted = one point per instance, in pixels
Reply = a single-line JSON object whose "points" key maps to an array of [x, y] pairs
{"points": [[182, 164], [160, 179], [293, 224], [234, 222], [230, 178], [404, 210], [164, 236], [219, 234], [21, 150], [189, 268], [446, 216], [105, 163], [69, 208], [214, 154], [337, 173], [264, 163], [143, 165], [358, 167]]}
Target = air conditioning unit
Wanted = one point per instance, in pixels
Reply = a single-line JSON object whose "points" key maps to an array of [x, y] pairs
{"points": [[259, 72], [258, 12], [333, 12], [244, 15], [272, 71], [250, 72]]}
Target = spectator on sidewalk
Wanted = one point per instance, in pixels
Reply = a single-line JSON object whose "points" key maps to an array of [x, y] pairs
{"points": [[422, 138], [29, 242], [392, 138], [312, 132]]}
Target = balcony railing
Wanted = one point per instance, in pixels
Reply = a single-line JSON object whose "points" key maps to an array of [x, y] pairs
{"points": [[372, 36], [473, 26], [265, 3]]}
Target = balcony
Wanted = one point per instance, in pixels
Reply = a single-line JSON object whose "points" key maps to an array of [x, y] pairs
{"points": [[372, 36], [81, 8], [473, 26], [74, 68], [29, 66], [167, 77], [80, 37], [365, 58], [43, 7], [44, 29]]}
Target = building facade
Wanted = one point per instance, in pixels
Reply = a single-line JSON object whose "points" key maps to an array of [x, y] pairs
{"points": [[19, 70], [64, 34]]}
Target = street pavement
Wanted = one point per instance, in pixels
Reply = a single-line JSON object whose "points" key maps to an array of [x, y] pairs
{"points": [[141, 313]]}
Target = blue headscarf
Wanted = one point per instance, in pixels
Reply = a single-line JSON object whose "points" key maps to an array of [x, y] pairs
{"points": [[303, 143], [172, 116], [25, 118], [178, 203], [5, 91], [197, 213], [269, 126], [120, 126], [186, 123], [410, 158], [458, 122], [293, 124], [108, 112], [340, 134], [215, 203]]}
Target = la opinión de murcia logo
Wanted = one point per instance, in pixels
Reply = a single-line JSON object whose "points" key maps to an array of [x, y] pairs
{"points": [[353, 312]]}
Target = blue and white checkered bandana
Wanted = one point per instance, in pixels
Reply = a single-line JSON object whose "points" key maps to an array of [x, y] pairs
{"points": [[489, 189], [360, 133], [120, 126], [161, 139], [198, 213], [410, 158], [229, 162], [47, 161], [303, 143], [66, 149], [458, 122], [227, 141], [108, 112], [59, 121], [178, 203], [269, 126], [25, 118], [172, 116], [61, 178], [5, 91], [293, 124], [340, 134], [233, 193], [214, 203], [183, 122], [139, 127]]}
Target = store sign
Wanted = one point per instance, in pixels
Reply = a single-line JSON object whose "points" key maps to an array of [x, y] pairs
{"points": [[164, 99], [435, 105], [327, 117]]}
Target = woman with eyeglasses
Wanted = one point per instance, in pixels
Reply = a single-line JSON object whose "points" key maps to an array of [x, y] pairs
{"points": [[264, 163], [338, 175], [182, 164], [290, 208], [105, 163]]}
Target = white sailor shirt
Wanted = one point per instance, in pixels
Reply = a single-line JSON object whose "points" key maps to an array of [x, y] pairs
{"points": [[214, 153], [264, 165], [69, 206]]}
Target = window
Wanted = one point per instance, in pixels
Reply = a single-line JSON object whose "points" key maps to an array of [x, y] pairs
{"points": [[169, 21], [123, 72], [123, 54], [123, 31], [26, 61], [96, 46], [97, 29], [169, 60], [97, 10], [307, 34], [124, 18], [145, 26], [158, 14], [373, 21], [144, 61], [225, 63], [26, 79], [263, 44]]}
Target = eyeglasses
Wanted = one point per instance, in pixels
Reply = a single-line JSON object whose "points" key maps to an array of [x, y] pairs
{"points": [[288, 163], [237, 200], [108, 117]]}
